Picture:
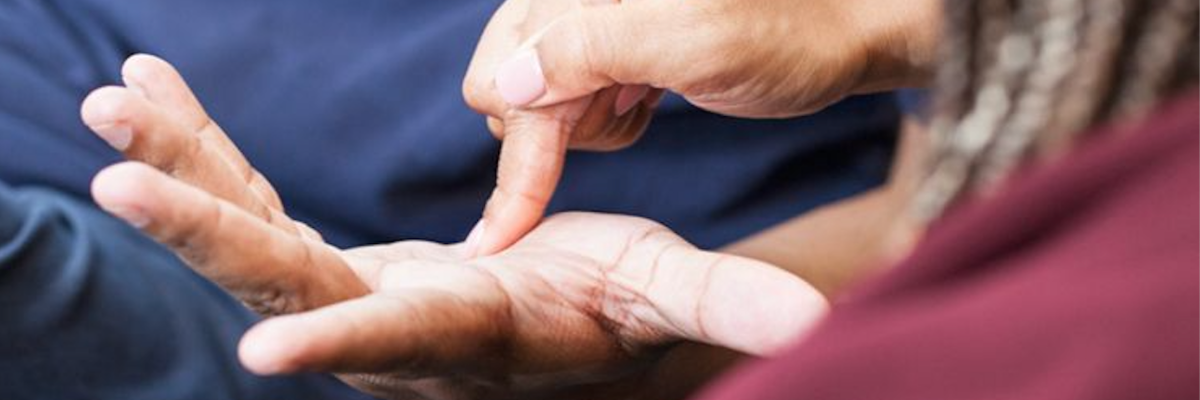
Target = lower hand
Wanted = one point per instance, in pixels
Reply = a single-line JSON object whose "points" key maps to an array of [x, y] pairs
{"points": [[583, 300]]}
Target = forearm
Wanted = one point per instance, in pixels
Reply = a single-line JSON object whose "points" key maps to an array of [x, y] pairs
{"points": [[829, 247], [901, 39], [838, 244]]}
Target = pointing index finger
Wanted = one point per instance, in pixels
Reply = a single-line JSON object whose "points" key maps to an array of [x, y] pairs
{"points": [[531, 163]]}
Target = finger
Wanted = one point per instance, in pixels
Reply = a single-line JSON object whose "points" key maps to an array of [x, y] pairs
{"points": [[629, 97], [757, 309], [599, 130], [162, 85], [411, 334], [595, 47], [496, 126], [531, 162], [733, 302], [145, 132], [515, 21], [271, 271]]}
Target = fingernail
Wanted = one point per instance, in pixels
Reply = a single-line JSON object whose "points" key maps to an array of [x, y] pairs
{"points": [[628, 97], [519, 80], [117, 136], [130, 215], [262, 357], [473, 239]]}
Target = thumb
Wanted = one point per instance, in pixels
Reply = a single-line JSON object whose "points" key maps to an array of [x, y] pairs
{"points": [[531, 162], [595, 47], [734, 302]]}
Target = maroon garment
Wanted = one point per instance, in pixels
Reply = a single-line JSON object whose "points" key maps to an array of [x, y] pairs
{"points": [[1079, 281]]}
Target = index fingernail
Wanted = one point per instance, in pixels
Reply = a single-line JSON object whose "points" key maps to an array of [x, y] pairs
{"points": [[520, 80]]}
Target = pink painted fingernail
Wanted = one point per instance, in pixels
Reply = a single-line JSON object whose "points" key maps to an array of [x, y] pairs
{"points": [[473, 239], [519, 80], [117, 136], [628, 97]]}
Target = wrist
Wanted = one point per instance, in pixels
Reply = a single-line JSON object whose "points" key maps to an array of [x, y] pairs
{"points": [[900, 41]]}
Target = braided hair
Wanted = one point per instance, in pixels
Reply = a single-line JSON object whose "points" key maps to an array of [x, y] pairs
{"points": [[1020, 79]]}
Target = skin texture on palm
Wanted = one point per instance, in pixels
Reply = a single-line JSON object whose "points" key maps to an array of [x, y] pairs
{"points": [[584, 299]]}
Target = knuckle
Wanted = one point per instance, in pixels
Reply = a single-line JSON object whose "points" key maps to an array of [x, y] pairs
{"points": [[592, 38], [268, 302], [470, 91], [180, 158], [524, 197], [192, 235], [477, 93], [308, 232], [496, 127]]}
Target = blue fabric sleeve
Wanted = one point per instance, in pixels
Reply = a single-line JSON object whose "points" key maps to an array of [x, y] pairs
{"points": [[90, 309]]}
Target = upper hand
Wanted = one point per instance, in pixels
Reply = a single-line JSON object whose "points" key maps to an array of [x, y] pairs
{"points": [[535, 141], [541, 64], [583, 299]]}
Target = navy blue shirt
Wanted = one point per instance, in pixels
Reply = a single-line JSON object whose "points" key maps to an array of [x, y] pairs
{"points": [[90, 309], [354, 111]]}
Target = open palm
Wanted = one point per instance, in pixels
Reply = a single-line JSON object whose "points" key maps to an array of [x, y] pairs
{"points": [[584, 299]]}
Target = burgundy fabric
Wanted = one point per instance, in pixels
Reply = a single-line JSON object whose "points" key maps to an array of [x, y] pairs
{"points": [[1079, 281]]}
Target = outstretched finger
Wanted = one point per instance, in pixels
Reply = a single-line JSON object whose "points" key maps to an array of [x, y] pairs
{"points": [[271, 271], [732, 302], [531, 163], [146, 132], [164, 86], [421, 331]]}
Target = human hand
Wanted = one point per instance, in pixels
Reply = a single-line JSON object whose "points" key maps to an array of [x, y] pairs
{"points": [[762, 59], [583, 300], [603, 120]]}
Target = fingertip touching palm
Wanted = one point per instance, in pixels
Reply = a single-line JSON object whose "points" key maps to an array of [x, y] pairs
{"points": [[583, 298]]}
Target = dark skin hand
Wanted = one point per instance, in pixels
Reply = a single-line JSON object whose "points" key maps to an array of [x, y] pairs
{"points": [[586, 303]]}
